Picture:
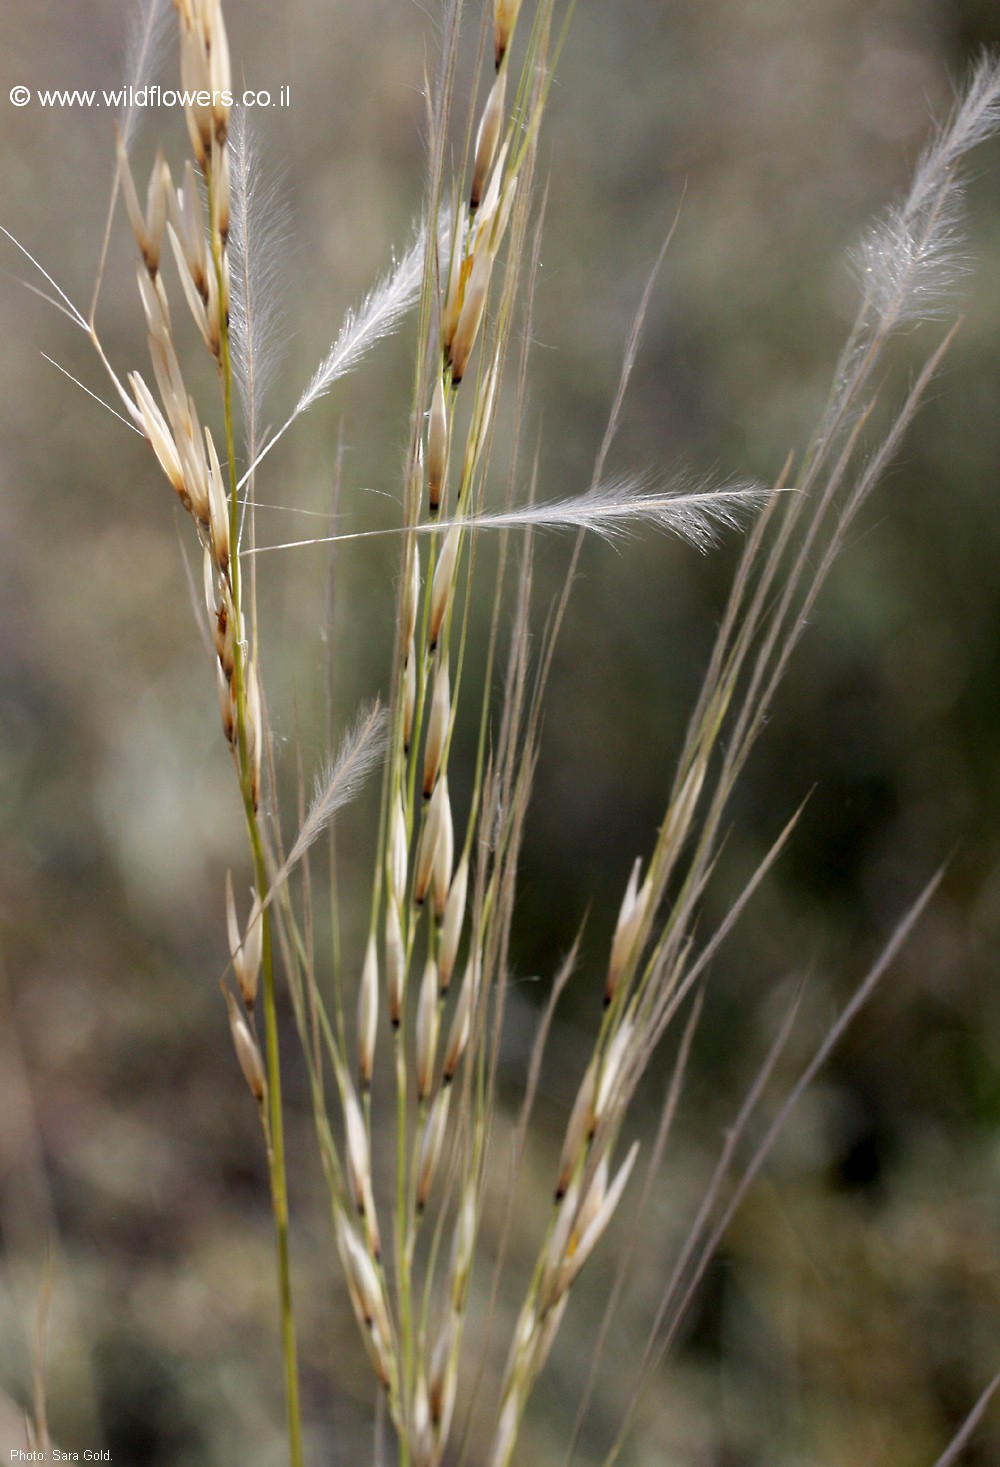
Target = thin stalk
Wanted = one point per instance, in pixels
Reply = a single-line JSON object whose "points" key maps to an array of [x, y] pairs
{"points": [[272, 1112]]}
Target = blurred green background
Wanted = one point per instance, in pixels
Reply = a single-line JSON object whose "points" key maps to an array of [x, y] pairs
{"points": [[854, 1313]]}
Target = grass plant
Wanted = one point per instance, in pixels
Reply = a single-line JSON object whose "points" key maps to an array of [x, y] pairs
{"points": [[399, 1038]]}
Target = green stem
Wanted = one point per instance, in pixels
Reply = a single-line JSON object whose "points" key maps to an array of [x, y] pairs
{"points": [[272, 1114]]}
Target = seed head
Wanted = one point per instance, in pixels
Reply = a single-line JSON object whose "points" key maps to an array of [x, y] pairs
{"points": [[395, 963], [451, 927], [437, 726], [428, 1023], [630, 919], [436, 815], [247, 1051], [398, 852], [431, 1145], [367, 1014], [473, 305], [218, 506], [504, 20], [461, 1023], [487, 137], [444, 581], [438, 438], [579, 1129]]}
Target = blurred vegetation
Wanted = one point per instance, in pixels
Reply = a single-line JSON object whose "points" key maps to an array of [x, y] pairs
{"points": [[854, 1313]]}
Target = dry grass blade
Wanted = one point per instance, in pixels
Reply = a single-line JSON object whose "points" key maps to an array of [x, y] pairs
{"points": [[676, 1300], [667, 1114], [963, 1436]]}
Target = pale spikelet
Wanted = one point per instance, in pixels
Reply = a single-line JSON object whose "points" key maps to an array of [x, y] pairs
{"points": [[232, 924], [437, 447], [594, 1226], [366, 1288], [170, 383], [578, 1130], [395, 964], [421, 1439], [473, 305], [359, 1169], [483, 233], [444, 580], [612, 1071], [245, 949], [461, 1023], [196, 302], [209, 588], [506, 1432], [148, 26], [444, 857], [218, 506], [398, 857], [504, 20], [258, 230], [195, 80], [222, 619], [487, 138], [248, 973], [220, 190], [155, 307], [437, 727], [158, 433], [549, 1328], [630, 917], [226, 710], [591, 1204], [428, 1021], [559, 1239], [431, 1146], [409, 697], [451, 927], [428, 843], [205, 69], [188, 219], [679, 816], [247, 1051], [367, 1014], [442, 1379], [214, 310], [220, 75], [195, 467], [464, 1245], [146, 227], [254, 727]]}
